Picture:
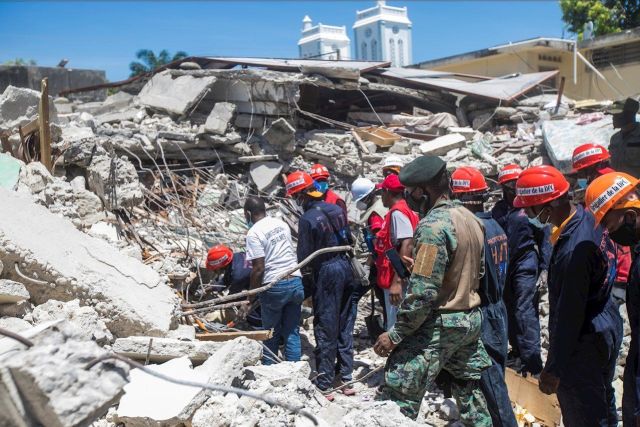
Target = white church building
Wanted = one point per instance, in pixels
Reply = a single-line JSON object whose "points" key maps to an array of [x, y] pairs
{"points": [[380, 33]]}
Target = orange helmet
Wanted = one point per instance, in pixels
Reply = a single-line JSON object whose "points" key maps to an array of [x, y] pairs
{"points": [[467, 180], [539, 185], [588, 155], [509, 173], [319, 171], [607, 192], [300, 181], [219, 257]]}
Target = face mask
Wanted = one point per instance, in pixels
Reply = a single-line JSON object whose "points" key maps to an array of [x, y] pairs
{"points": [[361, 205], [581, 183], [248, 221], [626, 234], [322, 186], [420, 205], [537, 221]]}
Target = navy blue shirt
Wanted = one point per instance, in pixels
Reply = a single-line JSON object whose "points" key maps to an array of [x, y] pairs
{"points": [[633, 311], [315, 232], [238, 275], [581, 275], [496, 254]]}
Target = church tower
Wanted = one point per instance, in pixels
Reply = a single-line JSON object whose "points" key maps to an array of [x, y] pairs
{"points": [[383, 33], [323, 41]]}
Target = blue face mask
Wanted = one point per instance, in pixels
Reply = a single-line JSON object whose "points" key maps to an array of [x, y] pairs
{"points": [[248, 221], [322, 186], [581, 183]]}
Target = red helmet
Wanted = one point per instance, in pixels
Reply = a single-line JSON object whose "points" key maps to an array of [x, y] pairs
{"points": [[467, 180], [219, 257], [539, 185], [509, 173], [319, 171], [588, 155], [300, 181]]}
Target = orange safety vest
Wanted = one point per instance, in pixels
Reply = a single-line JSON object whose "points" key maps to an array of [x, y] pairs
{"points": [[383, 243]]}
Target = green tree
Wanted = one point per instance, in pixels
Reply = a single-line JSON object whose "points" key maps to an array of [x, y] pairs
{"points": [[20, 61], [608, 16], [149, 61]]}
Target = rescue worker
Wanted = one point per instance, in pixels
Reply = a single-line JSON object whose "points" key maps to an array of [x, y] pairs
{"points": [[624, 145], [469, 186], [235, 272], [585, 327], [324, 225], [439, 321], [526, 262], [372, 213], [270, 250], [320, 175], [614, 200], [396, 233], [589, 162], [391, 165]]}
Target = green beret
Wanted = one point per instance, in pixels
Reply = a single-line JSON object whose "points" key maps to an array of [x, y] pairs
{"points": [[421, 170]]}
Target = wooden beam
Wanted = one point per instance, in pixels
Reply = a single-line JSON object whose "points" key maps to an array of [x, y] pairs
{"points": [[228, 336], [45, 129], [525, 392]]}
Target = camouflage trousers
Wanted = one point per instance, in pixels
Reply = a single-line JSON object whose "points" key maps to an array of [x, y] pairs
{"points": [[449, 341]]}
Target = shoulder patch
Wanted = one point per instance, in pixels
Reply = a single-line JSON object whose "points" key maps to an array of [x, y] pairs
{"points": [[425, 260]]}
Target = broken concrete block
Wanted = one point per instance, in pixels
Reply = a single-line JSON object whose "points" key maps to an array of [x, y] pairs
{"points": [[11, 292], [265, 174], [467, 132], [401, 147], [34, 178], [281, 134], [14, 324], [371, 146], [278, 374], [85, 318], [174, 94], [163, 349], [129, 294], [56, 388], [183, 333], [20, 309], [19, 105], [117, 116], [73, 133], [115, 181], [443, 144], [219, 118]]}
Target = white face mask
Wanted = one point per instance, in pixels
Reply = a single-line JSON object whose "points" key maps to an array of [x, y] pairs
{"points": [[361, 205]]}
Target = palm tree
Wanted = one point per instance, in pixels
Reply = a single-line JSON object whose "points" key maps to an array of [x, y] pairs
{"points": [[149, 60]]}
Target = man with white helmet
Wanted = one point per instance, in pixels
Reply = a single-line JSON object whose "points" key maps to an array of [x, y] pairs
{"points": [[392, 165]]}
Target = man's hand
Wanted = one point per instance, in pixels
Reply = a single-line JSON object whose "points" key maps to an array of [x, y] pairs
{"points": [[395, 291], [409, 262], [548, 383], [384, 345]]}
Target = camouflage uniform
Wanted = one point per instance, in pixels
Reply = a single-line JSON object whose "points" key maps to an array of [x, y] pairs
{"points": [[430, 340]]}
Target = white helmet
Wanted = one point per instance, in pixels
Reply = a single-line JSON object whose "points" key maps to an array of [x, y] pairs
{"points": [[392, 161], [361, 188]]}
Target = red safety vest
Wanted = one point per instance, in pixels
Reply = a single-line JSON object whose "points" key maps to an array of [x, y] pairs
{"points": [[331, 197], [383, 243]]}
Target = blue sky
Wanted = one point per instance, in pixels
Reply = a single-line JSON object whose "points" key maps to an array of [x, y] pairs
{"points": [[106, 35]]}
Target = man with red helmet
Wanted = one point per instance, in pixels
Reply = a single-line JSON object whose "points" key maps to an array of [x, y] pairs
{"points": [[529, 253], [271, 252], [589, 162], [614, 200], [324, 225], [396, 233], [469, 186], [320, 175], [585, 327]]}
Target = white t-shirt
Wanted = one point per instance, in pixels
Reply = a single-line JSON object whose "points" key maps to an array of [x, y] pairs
{"points": [[400, 227], [270, 238]]}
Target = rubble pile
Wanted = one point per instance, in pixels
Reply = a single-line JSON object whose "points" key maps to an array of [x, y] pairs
{"points": [[94, 253]]}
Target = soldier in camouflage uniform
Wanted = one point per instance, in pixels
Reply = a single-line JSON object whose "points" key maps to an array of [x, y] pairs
{"points": [[439, 321]]}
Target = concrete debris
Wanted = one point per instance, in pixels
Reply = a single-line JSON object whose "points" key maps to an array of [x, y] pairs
{"points": [[442, 145], [11, 292], [124, 291], [14, 324], [219, 118], [281, 134], [19, 105], [174, 95], [115, 181], [164, 349], [265, 174]]}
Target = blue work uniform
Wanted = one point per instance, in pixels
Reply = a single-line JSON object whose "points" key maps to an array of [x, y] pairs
{"points": [[237, 278], [631, 394], [521, 294], [494, 322], [334, 318], [585, 327]]}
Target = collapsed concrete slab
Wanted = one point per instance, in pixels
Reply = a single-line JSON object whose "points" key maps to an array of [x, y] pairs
{"points": [[129, 294], [164, 349], [220, 117], [265, 174], [19, 105], [115, 181], [56, 388], [442, 145], [11, 291], [281, 134], [174, 95]]}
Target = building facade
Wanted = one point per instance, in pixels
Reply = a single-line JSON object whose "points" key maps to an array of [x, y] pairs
{"points": [[323, 41], [383, 33]]}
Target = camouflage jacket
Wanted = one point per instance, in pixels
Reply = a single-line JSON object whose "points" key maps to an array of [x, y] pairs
{"points": [[435, 233]]}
